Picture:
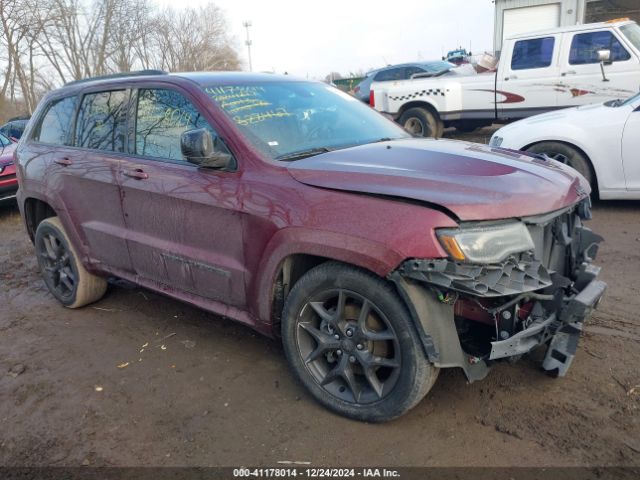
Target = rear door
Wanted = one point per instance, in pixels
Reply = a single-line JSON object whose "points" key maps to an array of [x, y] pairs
{"points": [[582, 80], [184, 225], [82, 166], [527, 76]]}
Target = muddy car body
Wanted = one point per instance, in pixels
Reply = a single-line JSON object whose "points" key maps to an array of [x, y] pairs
{"points": [[297, 210]]}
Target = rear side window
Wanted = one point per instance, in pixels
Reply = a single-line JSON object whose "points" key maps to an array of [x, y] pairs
{"points": [[391, 74], [412, 71], [162, 116], [102, 121], [533, 53], [585, 46], [55, 127]]}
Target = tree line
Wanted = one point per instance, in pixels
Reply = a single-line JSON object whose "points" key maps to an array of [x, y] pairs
{"points": [[46, 43]]}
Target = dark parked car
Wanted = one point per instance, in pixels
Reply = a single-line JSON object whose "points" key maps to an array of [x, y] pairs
{"points": [[297, 210], [14, 128], [8, 180], [398, 72]]}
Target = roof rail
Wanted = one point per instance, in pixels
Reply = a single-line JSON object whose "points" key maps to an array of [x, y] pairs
{"points": [[117, 75]]}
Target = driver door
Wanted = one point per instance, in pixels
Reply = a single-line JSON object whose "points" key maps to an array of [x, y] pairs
{"points": [[184, 224]]}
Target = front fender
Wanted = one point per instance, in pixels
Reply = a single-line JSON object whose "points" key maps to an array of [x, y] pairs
{"points": [[370, 255]]}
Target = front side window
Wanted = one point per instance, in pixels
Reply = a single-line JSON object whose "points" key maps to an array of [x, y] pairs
{"points": [[162, 116], [55, 127], [102, 121], [533, 53], [585, 46], [286, 118]]}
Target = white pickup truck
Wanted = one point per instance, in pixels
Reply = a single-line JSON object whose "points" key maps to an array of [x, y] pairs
{"points": [[537, 72]]}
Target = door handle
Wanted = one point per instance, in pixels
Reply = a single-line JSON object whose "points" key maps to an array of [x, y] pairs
{"points": [[136, 173], [568, 72], [64, 161], [511, 77]]}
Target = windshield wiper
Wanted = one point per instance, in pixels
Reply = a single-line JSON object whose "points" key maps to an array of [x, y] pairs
{"points": [[289, 157]]}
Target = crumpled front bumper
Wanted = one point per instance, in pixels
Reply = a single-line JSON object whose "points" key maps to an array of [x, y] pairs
{"points": [[548, 292], [561, 329]]}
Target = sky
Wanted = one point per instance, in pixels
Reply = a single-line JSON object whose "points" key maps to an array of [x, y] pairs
{"points": [[310, 38]]}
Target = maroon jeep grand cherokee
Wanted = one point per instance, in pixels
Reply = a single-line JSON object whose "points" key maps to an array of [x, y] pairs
{"points": [[293, 208]]}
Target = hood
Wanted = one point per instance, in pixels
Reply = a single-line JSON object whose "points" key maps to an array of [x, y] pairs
{"points": [[563, 115], [473, 181]]}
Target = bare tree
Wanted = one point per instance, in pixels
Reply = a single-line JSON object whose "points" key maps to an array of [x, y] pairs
{"points": [[44, 43], [194, 39]]}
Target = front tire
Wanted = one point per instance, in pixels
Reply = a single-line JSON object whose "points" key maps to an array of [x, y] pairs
{"points": [[421, 122], [63, 273], [350, 341], [568, 155]]}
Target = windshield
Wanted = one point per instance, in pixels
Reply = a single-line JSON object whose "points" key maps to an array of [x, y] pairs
{"points": [[631, 100], [632, 32], [286, 118]]}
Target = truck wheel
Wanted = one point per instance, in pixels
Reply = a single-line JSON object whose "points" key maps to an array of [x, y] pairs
{"points": [[568, 155], [63, 273], [350, 341], [421, 122]]}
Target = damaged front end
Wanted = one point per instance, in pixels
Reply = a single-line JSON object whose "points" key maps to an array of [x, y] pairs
{"points": [[506, 289]]}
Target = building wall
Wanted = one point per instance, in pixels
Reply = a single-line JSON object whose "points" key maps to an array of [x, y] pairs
{"points": [[602, 10], [571, 13]]}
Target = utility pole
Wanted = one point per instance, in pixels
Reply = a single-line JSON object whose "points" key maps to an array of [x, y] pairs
{"points": [[248, 42]]}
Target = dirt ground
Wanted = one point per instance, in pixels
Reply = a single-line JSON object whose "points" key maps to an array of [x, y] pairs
{"points": [[200, 390]]}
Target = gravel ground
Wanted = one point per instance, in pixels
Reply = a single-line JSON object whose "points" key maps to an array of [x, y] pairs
{"points": [[140, 379]]}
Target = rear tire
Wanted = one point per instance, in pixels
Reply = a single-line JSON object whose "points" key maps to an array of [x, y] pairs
{"points": [[63, 273], [568, 155], [422, 122], [351, 342]]}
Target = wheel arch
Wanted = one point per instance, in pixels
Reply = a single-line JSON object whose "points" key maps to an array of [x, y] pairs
{"points": [[419, 104], [293, 252], [35, 211], [575, 146]]}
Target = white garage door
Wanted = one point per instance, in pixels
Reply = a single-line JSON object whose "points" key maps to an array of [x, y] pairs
{"points": [[530, 19]]}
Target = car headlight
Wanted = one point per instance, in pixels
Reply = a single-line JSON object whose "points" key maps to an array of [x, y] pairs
{"points": [[486, 244], [496, 141]]}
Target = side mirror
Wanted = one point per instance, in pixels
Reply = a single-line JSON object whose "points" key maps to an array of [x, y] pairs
{"points": [[199, 148], [604, 57]]}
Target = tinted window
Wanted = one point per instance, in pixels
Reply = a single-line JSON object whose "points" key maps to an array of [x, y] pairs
{"points": [[4, 141], [585, 46], [162, 117], [16, 129], [412, 71], [391, 74], [102, 121], [56, 124], [534, 53]]}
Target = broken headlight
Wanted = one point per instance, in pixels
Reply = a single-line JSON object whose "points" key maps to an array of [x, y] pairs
{"points": [[486, 244]]}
